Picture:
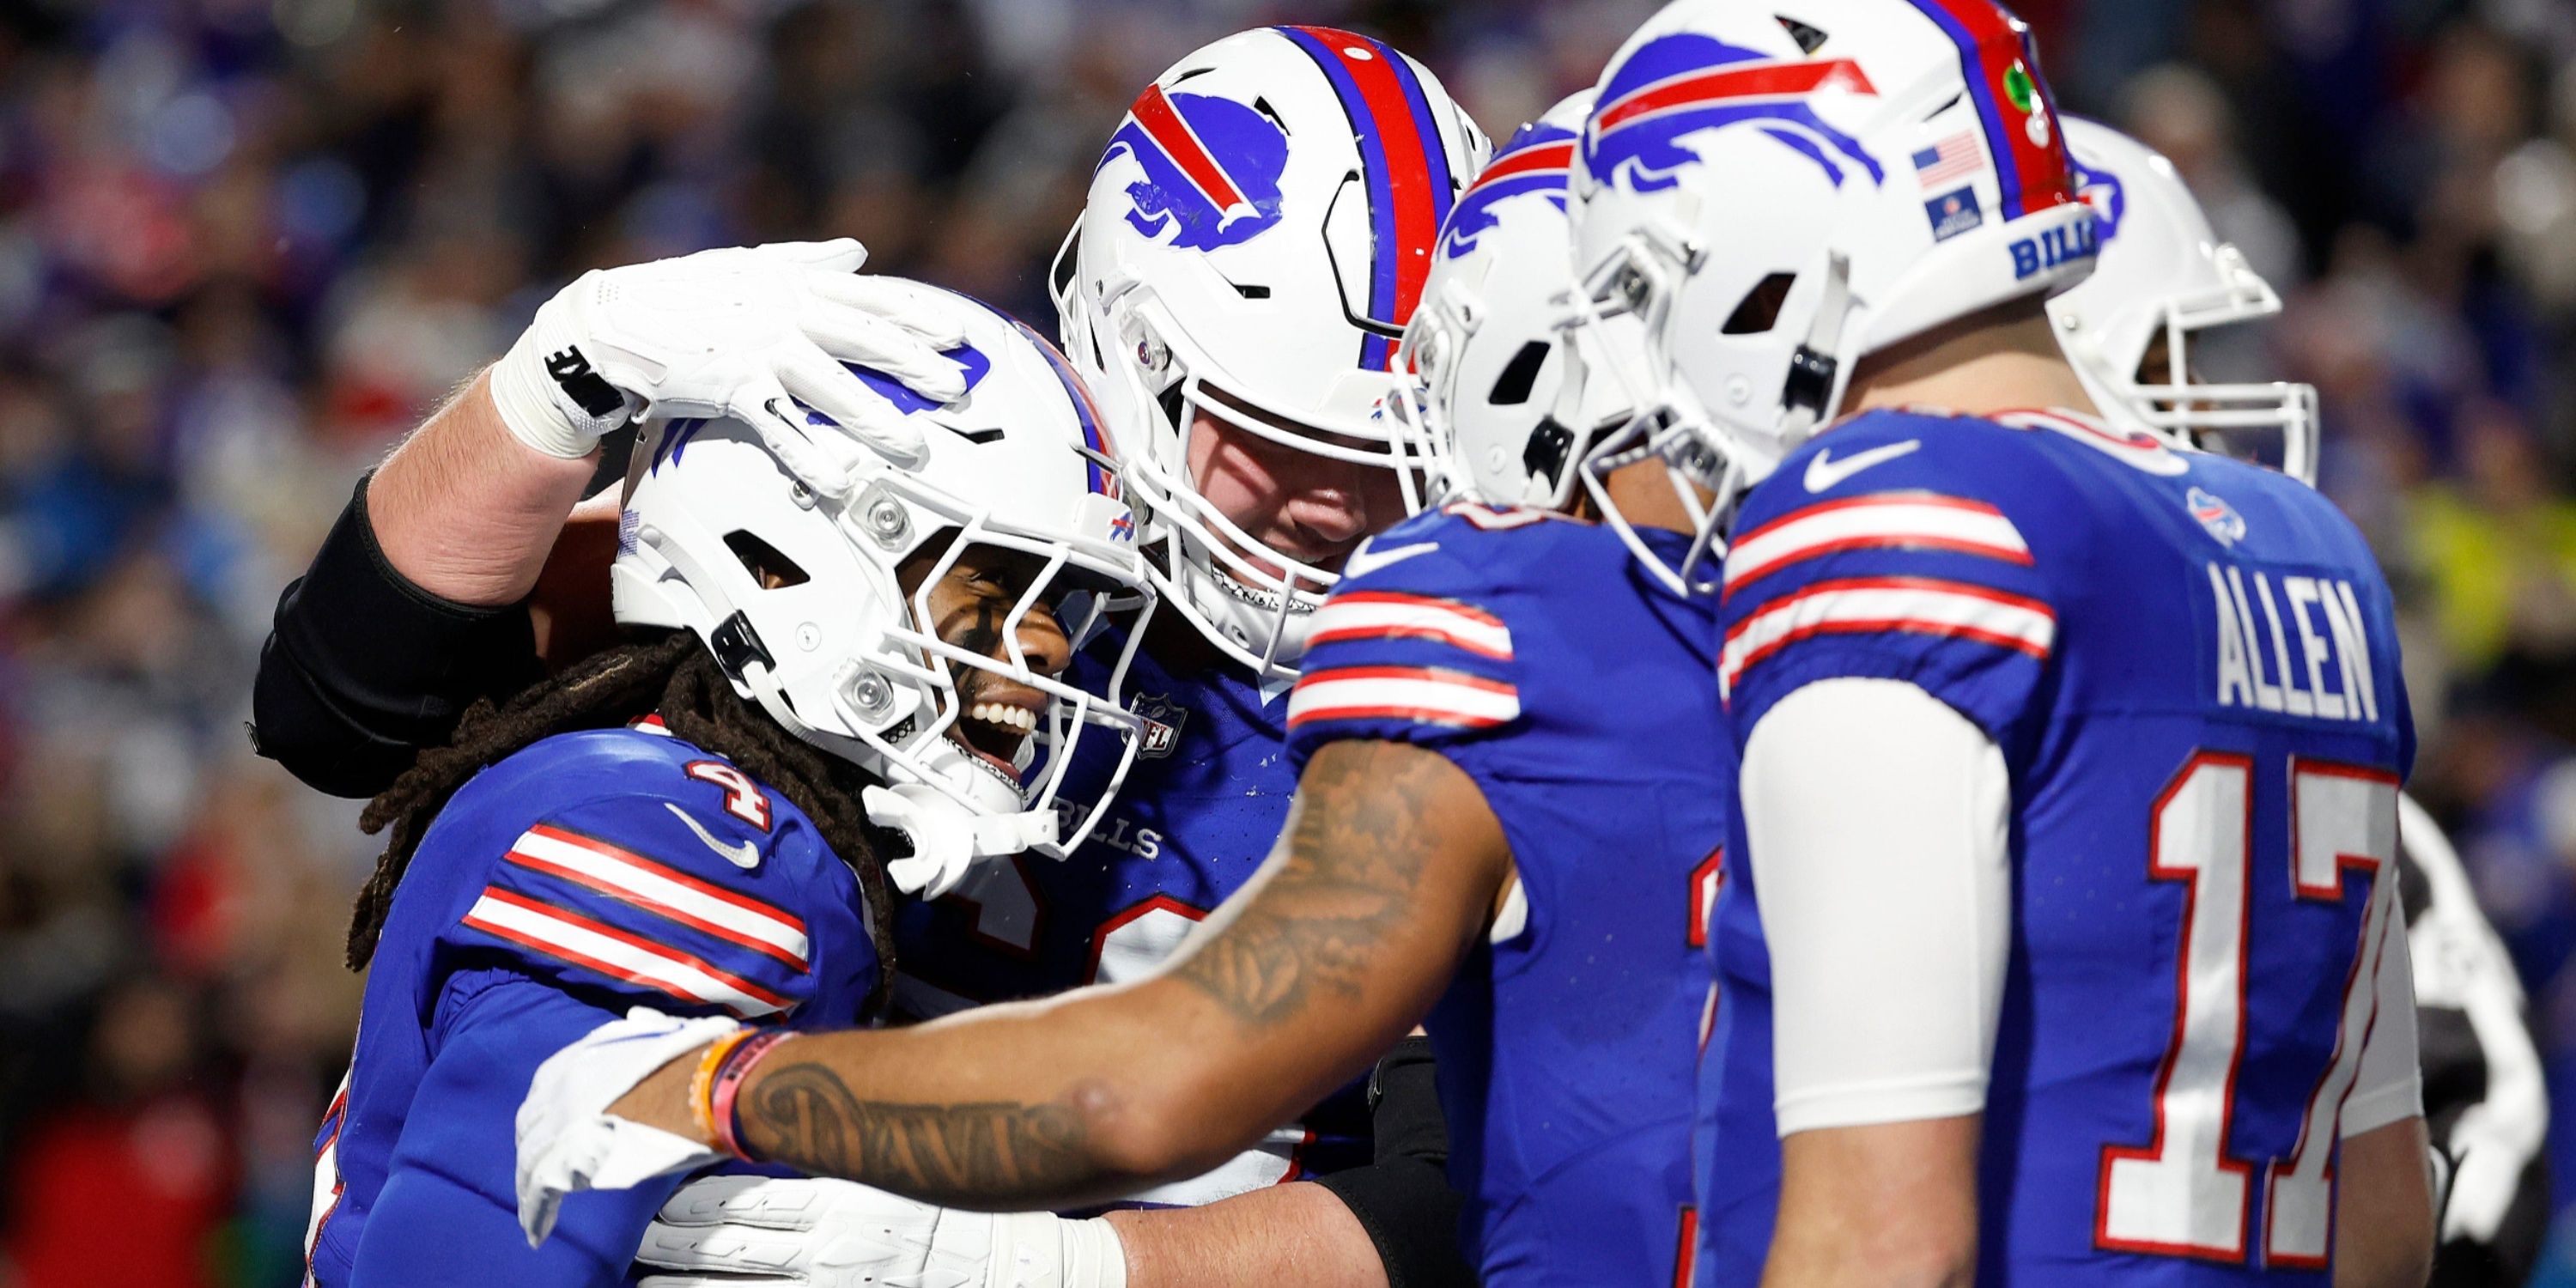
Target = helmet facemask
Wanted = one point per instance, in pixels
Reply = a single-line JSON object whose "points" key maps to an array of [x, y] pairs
{"points": [[1250, 599], [2271, 423]]}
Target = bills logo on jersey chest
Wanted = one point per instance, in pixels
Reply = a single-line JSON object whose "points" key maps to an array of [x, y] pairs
{"points": [[2289, 643]]}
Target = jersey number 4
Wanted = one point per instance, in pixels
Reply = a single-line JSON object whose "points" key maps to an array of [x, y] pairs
{"points": [[2182, 1194]]}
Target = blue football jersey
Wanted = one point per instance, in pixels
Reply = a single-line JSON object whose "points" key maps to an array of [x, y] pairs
{"points": [[1197, 815], [589, 873], [2190, 667], [1533, 653]]}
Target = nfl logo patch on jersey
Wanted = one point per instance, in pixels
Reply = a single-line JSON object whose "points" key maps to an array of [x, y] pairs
{"points": [[2220, 518], [1163, 720]]}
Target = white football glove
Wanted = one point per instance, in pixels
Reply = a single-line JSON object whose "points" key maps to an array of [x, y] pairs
{"points": [[739, 332], [568, 1141], [733, 1231]]}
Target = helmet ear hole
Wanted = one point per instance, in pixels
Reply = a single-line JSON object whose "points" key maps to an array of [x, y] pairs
{"points": [[1760, 309], [1520, 375], [771, 569]]}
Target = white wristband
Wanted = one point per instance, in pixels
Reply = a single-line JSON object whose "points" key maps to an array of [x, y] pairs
{"points": [[533, 407]]}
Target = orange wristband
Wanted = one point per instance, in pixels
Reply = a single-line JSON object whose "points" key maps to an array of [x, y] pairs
{"points": [[721, 1072], [702, 1083]]}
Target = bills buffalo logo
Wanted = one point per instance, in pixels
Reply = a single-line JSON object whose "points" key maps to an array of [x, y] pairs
{"points": [[2220, 518], [971, 361], [1211, 168], [1534, 163], [1682, 84], [2103, 191]]}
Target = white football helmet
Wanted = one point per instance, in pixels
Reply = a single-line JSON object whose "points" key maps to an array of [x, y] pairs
{"points": [[1778, 191], [840, 655], [2165, 273], [1255, 239], [1499, 411]]}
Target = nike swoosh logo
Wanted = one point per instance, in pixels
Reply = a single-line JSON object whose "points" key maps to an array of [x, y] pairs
{"points": [[741, 854], [1824, 473], [1366, 560]]}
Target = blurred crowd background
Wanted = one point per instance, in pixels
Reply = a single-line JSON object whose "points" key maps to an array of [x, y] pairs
{"points": [[244, 244]]}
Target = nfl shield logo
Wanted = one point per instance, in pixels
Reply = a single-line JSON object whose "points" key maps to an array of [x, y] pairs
{"points": [[1163, 721]]}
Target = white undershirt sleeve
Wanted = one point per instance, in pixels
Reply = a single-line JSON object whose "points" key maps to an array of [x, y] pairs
{"points": [[2390, 1084], [1877, 821]]}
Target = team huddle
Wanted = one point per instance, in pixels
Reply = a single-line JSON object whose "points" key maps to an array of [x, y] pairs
{"points": [[1717, 614]]}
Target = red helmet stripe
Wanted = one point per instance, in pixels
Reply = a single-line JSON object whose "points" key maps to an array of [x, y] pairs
{"points": [[2035, 175], [1762, 80], [1544, 157], [1165, 126], [1416, 196]]}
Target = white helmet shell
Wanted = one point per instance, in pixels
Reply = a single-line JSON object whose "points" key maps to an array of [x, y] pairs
{"points": [[1500, 411], [2164, 273], [1255, 239], [833, 649], [1781, 190]]}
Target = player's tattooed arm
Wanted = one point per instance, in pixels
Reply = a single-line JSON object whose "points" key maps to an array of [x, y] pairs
{"points": [[1371, 818], [1390, 868]]}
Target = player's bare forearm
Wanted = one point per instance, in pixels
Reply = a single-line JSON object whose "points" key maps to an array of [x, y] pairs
{"points": [[1333, 952], [465, 510], [1297, 1234], [1892, 1205], [2383, 1229]]}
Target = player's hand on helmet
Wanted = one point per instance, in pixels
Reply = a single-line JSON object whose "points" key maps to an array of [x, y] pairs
{"points": [[746, 332], [733, 1230], [567, 1139]]}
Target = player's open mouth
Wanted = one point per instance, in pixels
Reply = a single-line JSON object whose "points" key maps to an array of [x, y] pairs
{"points": [[998, 722]]}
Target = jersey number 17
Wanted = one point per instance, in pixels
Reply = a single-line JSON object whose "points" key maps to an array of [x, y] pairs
{"points": [[2182, 1194]]}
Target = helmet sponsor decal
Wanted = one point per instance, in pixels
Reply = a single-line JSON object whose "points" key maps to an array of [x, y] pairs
{"points": [[1954, 213]]}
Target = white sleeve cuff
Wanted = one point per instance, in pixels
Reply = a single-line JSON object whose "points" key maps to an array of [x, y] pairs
{"points": [[1866, 1104], [2374, 1109]]}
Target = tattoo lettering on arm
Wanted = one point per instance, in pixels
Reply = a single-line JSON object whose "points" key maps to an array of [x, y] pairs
{"points": [[1368, 822], [804, 1115]]}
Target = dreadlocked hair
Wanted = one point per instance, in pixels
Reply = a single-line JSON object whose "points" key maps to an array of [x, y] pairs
{"points": [[675, 676]]}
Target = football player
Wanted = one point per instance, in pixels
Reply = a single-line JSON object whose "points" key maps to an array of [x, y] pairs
{"points": [[2057, 943], [1491, 824], [682, 820], [2164, 278], [1234, 300]]}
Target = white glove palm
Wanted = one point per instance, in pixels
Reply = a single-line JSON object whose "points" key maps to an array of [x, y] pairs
{"points": [[740, 332], [733, 1231], [568, 1141]]}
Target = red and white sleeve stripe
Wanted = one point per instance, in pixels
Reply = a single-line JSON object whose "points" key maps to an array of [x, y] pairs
{"points": [[1872, 605], [569, 936], [663, 891], [1898, 520], [1363, 615], [1424, 694]]}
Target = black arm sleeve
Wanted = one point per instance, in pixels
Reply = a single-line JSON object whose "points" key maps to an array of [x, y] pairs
{"points": [[1403, 1198], [362, 668]]}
